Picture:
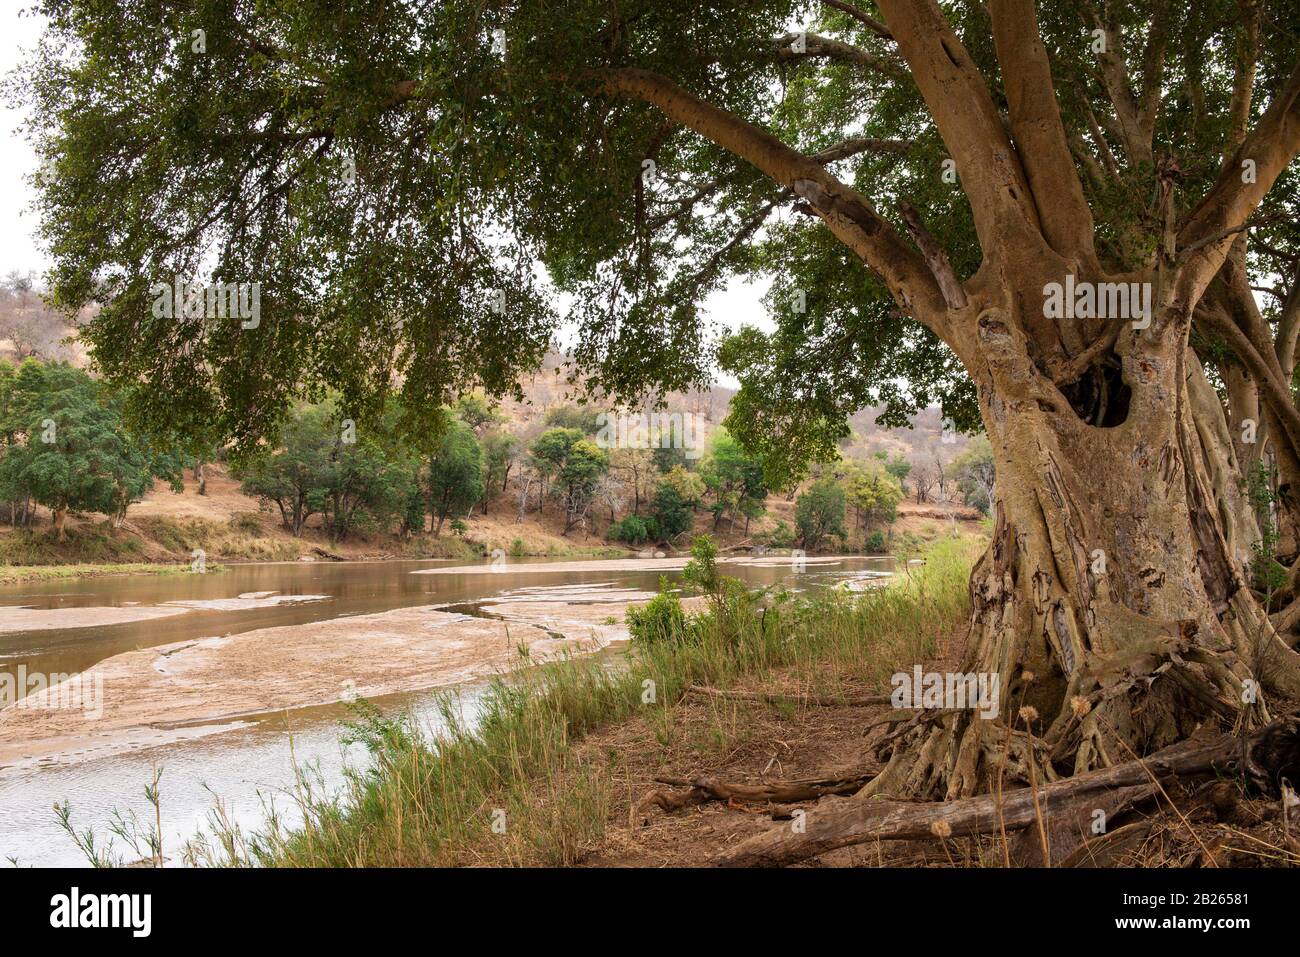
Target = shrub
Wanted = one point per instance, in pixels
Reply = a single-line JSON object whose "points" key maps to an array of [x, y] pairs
{"points": [[631, 530], [782, 536], [661, 620], [819, 512], [876, 542], [701, 571], [672, 513], [246, 523]]}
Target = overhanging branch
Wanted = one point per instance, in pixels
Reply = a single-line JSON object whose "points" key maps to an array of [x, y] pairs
{"points": [[848, 214]]}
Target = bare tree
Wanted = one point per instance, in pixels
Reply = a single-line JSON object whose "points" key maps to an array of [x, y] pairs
{"points": [[924, 478]]}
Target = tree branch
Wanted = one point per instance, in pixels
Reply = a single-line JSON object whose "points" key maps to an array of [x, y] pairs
{"points": [[958, 99], [1271, 146], [1243, 81], [817, 46], [935, 257], [848, 214], [1039, 134], [870, 22], [1131, 125]]}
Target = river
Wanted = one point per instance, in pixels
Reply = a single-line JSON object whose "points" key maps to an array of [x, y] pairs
{"points": [[251, 761]]}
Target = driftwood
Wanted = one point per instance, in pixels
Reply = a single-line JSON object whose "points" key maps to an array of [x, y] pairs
{"points": [[1262, 756], [703, 790], [823, 701]]}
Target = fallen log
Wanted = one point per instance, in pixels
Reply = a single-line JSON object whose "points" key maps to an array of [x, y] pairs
{"points": [[823, 701], [850, 822], [774, 792]]}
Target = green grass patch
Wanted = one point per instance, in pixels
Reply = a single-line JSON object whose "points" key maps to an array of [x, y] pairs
{"points": [[237, 538], [87, 544]]}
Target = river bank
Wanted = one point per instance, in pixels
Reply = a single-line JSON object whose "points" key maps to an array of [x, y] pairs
{"points": [[19, 574], [198, 734], [542, 776]]}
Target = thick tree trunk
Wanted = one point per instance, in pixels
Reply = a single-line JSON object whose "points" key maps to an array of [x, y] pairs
{"points": [[1111, 604]]}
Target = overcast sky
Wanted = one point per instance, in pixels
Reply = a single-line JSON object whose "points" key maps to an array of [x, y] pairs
{"points": [[17, 161], [738, 303]]}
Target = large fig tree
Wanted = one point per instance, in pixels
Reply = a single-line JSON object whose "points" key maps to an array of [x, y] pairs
{"points": [[1054, 222]]}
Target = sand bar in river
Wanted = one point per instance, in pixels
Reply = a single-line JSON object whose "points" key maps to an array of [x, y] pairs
{"points": [[159, 694]]}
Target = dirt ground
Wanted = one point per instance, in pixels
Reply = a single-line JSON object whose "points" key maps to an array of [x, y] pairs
{"points": [[747, 742]]}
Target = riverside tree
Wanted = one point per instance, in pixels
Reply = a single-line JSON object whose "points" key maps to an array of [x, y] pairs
{"points": [[70, 449], [455, 473], [1048, 224], [819, 511], [873, 492], [735, 479], [573, 466], [976, 473], [292, 477]]}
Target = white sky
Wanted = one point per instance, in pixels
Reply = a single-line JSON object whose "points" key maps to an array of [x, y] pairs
{"points": [[737, 304], [17, 161]]}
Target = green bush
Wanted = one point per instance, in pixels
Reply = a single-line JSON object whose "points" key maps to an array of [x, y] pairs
{"points": [[660, 620], [876, 542], [782, 536], [672, 514], [631, 530]]}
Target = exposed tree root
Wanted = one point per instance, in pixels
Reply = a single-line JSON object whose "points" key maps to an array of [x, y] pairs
{"points": [[1105, 850], [1266, 757], [823, 701]]}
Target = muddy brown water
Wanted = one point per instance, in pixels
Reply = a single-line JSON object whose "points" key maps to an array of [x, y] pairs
{"points": [[250, 764]]}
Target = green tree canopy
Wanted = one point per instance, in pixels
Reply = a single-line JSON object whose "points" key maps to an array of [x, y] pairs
{"points": [[976, 472], [575, 465], [70, 449], [819, 511], [455, 474], [873, 491], [735, 478]]}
